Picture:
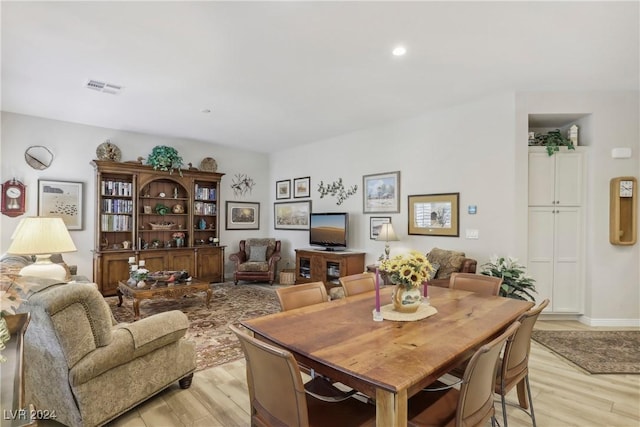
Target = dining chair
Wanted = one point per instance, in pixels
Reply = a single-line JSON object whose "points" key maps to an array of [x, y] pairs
{"points": [[301, 295], [479, 283], [358, 283], [513, 367], [277, 396], [472, 404]]}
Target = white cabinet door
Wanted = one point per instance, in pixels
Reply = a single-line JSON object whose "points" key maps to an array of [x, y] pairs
{"points": [[569, 176], [555, 180], [541, 179], [555, 256]]}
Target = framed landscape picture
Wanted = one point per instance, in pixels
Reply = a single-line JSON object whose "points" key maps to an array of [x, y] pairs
{"points": [[283, 189], [381, 192], [63, 199], [301, 187], [292, 215], [242, 216], [434, 214], [375, 224]]}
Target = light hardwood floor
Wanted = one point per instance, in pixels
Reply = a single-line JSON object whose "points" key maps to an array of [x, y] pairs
{"points": [[563, 394]]}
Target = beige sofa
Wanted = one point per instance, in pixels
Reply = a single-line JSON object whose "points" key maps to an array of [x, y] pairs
{"points": [[82, 365], [449, 262]]}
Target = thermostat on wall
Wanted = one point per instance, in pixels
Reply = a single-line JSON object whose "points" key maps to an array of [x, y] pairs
{"points": [[472, 209]]}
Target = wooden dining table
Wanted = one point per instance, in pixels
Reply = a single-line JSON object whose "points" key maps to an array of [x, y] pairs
{"points": [[389, 361]]}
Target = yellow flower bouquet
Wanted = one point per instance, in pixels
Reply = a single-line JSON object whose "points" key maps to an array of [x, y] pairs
{"points": [[410, 270]]}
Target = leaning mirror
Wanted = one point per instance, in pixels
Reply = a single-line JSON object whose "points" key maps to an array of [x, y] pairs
{"points": [[38, 157]]}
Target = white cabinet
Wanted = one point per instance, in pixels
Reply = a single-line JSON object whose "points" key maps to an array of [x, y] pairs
{"points": [[555, 256], [556, 228], [556, 180]]}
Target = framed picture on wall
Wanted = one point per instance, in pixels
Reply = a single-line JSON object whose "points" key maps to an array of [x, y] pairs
{"points": [[242, 216], [381, 192], [301, 187], [283, 189], [63, 199], [292, 215], [375, 223], [434, 214]]}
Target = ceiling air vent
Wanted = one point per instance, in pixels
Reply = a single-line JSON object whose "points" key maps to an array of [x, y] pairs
{"points": [[103, 87]]}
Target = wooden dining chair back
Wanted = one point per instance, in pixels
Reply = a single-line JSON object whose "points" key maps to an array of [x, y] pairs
{"points": [[514, 365], [472, 404], [479, 283], [358, 283], [301, 295], [277, 395]]}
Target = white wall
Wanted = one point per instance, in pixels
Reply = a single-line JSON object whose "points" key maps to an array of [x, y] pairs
{"points": [[74, 146], [612, 272], [480, 150]]}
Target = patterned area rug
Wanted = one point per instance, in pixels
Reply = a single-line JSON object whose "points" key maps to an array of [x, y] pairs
{"points": [[598, 352], [230, 304]]}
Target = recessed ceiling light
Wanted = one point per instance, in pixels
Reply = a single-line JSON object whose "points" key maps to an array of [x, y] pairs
{"points": [[399, 50]]}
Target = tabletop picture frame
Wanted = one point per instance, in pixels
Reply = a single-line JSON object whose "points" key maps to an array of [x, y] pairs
{"points": [[375, 223], [381, 193], [242, 216], [292, 215], [434, 214], [283, 189], [63, 199], [301, 187]]}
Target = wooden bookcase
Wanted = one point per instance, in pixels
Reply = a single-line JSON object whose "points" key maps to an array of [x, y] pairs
{"points": [[138, 212], [326, 266]]}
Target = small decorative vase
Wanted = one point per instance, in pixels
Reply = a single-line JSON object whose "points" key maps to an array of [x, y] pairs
{"points": [[406, 300]]}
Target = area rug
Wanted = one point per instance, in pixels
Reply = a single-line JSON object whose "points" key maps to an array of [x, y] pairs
{"points": [[597, 352], [209, 328]]}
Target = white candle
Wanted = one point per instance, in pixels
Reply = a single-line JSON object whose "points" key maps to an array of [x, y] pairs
{"points": [[141, 263], [134, 267], [132, 260]]}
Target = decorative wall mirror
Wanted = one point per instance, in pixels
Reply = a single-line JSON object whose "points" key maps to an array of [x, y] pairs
{"points": [[38, 157]]}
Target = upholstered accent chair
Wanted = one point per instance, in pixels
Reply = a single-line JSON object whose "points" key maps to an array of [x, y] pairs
{"points": [[472, 404], [447, 262], [277, 396], [82, 365], [256, 260]]}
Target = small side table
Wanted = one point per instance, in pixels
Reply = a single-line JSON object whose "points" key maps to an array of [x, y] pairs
{"points": [[383, 274]]}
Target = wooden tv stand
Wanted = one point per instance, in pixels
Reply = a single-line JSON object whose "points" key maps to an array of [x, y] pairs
{"points": [[327, 266]]}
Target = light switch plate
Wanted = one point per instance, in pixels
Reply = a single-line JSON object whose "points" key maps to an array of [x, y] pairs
{"points": [[471, 233]]}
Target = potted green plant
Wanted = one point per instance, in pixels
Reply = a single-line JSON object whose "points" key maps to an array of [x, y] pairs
{"points": [[553, 140], [515, 283], [165, 158]]}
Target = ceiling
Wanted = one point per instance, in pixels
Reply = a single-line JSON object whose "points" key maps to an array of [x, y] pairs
{"points": [[279, 74]]}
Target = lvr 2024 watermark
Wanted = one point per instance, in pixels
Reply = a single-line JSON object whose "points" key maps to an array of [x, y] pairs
{"points": [[28, 414]]}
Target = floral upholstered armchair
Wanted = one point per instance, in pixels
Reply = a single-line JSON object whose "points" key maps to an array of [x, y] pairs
{"points": [[256, 260], [86, 368]]}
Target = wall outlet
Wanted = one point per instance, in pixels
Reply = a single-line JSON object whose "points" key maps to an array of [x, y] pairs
{"points": [[471, 233]]}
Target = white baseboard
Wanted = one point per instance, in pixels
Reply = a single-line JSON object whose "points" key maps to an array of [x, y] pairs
{"points": [[610, 322], [615, 323]]}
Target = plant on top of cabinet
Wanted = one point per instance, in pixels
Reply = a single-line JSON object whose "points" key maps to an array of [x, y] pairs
{"points": [[165, 158], [552, 141]]}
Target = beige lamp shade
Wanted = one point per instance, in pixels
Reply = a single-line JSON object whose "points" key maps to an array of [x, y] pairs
{"points": [[387, 235], [42, 236]]}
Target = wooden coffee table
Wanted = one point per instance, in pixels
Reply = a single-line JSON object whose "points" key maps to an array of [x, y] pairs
{"points": [[174, 291]]}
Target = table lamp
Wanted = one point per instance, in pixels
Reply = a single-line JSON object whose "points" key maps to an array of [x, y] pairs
{"points": [[387, 235], [42, 236]]}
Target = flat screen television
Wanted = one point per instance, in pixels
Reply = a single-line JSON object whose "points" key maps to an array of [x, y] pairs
{"points": [[329, 230]]}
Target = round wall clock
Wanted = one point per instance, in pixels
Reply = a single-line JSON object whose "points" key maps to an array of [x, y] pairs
{"points": [[13, 198], [209, 164], [108, 151]]}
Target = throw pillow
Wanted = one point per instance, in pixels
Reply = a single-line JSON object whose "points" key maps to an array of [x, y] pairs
{"points": [[450, 261], [433, 272], [257, 253]]}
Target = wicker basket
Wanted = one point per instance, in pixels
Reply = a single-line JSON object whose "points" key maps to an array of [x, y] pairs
{"points": [[287, 277], [168, 226]]}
